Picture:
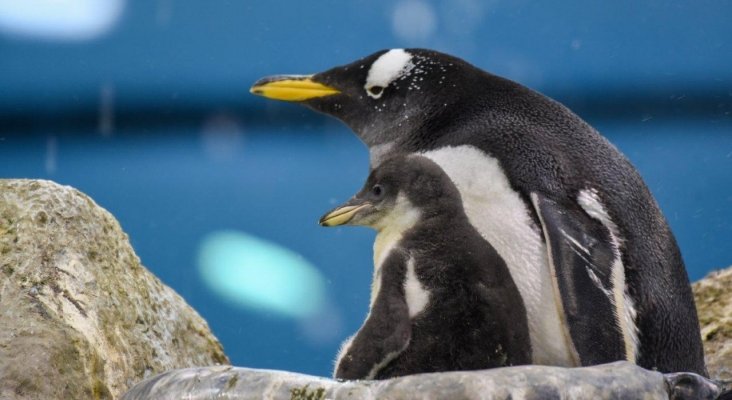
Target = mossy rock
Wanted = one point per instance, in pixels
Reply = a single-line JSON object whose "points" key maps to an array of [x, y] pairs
{"points": [[81, 317], [713, 296]]}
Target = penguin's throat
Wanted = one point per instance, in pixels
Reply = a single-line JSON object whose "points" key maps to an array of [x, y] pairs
{"points": [[401, 218], [389, 232], [398, 133]]}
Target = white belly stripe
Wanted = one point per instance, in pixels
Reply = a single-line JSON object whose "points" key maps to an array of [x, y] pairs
{"points": [[416, 295], [501, 217]]}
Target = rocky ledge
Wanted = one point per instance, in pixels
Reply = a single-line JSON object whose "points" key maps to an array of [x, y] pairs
{"points": [[612, 381], [80, 317], [713, 296], [621, 380]]}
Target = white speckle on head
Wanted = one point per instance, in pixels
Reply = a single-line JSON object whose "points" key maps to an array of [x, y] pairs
{"points": [[589, 200], [417, 296], [386, 69]]}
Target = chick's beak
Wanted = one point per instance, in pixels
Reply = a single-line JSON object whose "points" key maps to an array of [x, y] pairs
{"points": [[344, 214], [291, 88]]}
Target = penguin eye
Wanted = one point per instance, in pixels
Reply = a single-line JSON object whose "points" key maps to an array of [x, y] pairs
{"points": [[377, 190], [376, 90]]}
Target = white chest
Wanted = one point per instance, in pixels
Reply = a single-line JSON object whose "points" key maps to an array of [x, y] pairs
{"points": [[383, 245], [390, 231], [501, 217]]}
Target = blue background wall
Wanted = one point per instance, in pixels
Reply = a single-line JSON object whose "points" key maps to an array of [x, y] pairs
{"points": [[144, 106]]}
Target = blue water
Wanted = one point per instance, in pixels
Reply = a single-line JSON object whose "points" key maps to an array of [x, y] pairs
{"points": [[172, 188]]}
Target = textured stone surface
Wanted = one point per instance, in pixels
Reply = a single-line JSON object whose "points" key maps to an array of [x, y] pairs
{"points": [[713, 296], [619, 380], [80, 317]]}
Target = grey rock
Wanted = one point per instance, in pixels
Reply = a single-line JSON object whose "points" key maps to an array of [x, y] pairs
{"points": [[620, 380], [81, 317], [688, 386], [713, 296]]}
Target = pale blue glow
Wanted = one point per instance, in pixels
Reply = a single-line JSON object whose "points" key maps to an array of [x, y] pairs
{"points": [[260, 275], [59, 19]]}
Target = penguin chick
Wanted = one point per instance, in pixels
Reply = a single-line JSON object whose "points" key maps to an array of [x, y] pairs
{"points": [[442, 299]]}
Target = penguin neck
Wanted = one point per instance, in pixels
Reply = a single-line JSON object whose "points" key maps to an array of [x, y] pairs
{"points": [[386, 135], [396, 142], [399, 131], [391, 229], [417, 133]]}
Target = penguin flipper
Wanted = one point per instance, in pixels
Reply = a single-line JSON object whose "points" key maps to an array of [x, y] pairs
{"points": [[387, 330], [582, 258]]}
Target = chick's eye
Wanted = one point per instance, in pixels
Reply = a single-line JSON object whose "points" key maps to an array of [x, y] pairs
{"points": [[377, 190], [376, 90]]}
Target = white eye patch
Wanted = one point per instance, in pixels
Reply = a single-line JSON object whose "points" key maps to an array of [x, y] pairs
{"points": [[386, 69]]}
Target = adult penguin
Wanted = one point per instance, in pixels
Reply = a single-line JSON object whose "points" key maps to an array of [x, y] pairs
{"points": [[599, 270]]}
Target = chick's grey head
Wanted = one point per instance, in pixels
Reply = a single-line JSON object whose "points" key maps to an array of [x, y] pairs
{"points": [[397, 193], [384, 96]]}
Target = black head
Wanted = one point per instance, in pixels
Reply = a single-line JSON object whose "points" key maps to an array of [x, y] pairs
{"points": [[399, 191], [384, 95]]}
